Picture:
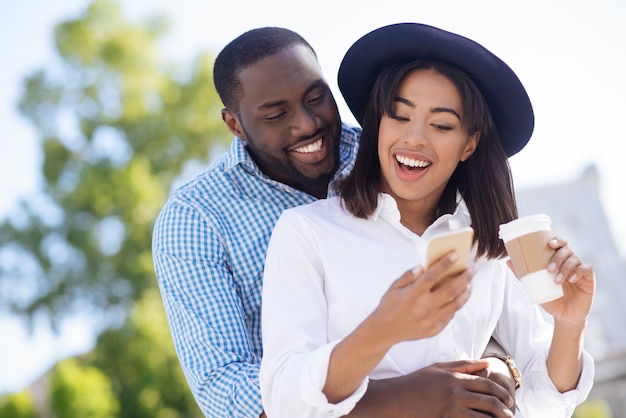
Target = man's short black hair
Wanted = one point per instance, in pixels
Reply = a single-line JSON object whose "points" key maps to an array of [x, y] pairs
{"points": [[244, 51]]}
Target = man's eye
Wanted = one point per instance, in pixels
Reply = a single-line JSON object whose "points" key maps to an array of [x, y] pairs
{"points": [[317, 99], [274, 116]]}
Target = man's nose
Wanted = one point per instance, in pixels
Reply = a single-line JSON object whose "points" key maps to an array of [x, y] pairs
{"points": [[304, 123]]}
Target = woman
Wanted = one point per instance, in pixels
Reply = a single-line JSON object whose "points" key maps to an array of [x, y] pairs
{"points": [[346, 298]]}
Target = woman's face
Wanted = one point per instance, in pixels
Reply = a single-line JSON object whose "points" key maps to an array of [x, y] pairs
{"points": [[420, 145]]}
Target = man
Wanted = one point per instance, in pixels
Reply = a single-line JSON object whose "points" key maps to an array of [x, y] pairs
{"points": [[209, 243]]}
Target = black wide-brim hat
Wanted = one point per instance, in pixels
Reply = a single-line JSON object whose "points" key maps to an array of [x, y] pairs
{"points": [[506, 97]]}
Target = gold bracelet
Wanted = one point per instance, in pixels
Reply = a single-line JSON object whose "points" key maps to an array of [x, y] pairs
{"points": [[508, 360]]}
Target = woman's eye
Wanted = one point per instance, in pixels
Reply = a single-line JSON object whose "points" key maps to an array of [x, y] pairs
{"points": [[443, 127], [400, 118]]}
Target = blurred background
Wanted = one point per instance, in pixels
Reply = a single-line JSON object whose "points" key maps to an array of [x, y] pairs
{"points": [[106, 106]]}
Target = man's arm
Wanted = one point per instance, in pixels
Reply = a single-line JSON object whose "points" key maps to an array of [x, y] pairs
{"points": [[445, 389], [205, 315], [455, 389]]}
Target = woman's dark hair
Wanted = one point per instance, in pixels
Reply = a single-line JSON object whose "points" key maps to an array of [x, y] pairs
{"points": [[483, 181]]}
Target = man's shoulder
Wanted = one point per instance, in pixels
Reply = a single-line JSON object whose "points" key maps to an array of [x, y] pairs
{"points": [[350, 133], [211, 190], [221, 177], [211, 177]]}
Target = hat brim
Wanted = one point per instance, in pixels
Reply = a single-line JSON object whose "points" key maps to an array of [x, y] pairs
{"points": [[506, 97]]}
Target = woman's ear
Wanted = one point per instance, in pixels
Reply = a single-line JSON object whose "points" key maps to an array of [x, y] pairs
{"points": [[471, 145], [232, 122]]}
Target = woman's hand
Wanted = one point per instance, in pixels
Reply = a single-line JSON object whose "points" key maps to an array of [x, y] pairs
{"points": [[579, 283], [417, 305], [421, 303], [570, 312]]}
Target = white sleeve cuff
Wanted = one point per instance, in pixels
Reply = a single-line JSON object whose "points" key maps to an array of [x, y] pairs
{"points": [[313, 379], [540, 398]]}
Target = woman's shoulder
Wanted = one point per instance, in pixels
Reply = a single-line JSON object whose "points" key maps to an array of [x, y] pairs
{"points": [[319, 212], [319, 208]]}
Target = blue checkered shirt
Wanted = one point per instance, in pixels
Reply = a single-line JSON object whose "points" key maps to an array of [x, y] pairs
{"points": [[209, 247]]}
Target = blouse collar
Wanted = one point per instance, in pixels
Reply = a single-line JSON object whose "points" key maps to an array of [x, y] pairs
{"points": [[387, 209]]}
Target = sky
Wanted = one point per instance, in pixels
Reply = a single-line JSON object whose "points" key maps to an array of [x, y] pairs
{"points": [[569, 54]]}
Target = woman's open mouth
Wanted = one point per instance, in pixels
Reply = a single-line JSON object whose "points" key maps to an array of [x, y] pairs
{"points": [[411, 164]]}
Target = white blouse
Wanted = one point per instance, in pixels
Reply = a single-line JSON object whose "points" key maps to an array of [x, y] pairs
{"points": [[326, 270]]}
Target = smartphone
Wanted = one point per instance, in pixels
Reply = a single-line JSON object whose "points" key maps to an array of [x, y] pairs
{"points": [[459, 240]]}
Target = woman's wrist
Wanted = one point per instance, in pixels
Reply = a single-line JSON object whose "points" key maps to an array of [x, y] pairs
{"points": [[570, 327]]}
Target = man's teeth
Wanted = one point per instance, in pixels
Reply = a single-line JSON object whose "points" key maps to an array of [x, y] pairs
{"points": [[314, 147], [412, 162]]}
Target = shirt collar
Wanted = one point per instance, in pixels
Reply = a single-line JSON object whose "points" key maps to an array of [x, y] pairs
{"points": [[238, 155], [387, 209]]}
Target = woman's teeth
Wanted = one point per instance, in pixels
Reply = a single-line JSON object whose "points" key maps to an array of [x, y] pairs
{"points": [[412, 162]]}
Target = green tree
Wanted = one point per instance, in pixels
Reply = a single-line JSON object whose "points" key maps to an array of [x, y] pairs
{"points": [[593, 408], [81, 391], [19, 405], [140, 362], [118, 123], [132, 373]]}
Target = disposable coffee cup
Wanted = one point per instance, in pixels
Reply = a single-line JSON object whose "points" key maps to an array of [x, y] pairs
{"points": [[526, 241]]}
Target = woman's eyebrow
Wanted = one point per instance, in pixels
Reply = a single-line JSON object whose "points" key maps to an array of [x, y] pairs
{"points": [[404, 101], [409, 103], [446, 110]]}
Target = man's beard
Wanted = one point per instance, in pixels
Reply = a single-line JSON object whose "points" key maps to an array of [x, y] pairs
{"points": [[288, 169]]}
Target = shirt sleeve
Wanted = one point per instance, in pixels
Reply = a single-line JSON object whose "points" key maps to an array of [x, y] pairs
{"points": [[296, 350], [205, 314], [525, 333]]}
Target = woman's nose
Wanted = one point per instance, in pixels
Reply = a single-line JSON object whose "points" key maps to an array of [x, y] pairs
{"points": [[416, 133]]}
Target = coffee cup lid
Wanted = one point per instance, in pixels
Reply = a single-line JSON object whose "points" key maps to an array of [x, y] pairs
{"points": [[524, 225]]}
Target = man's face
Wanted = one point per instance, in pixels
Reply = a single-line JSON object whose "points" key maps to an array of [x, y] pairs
{"points": [[289, 119]]}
